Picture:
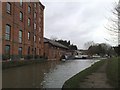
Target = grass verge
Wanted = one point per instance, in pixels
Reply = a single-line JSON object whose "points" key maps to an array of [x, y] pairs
{"points": [[74, 81], [113, 72]]}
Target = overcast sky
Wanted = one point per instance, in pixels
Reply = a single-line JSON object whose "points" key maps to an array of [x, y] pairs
{"points": [[79, 21]]}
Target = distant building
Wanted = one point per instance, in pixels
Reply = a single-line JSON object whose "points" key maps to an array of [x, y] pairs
{"points": [[54, 50], [80, 52], [22, 29]]}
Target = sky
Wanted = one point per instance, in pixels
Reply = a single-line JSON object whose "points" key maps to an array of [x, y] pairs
{"points": [[79, 21]]}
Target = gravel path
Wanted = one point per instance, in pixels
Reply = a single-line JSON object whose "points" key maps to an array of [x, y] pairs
{"points": [[97, 79]]}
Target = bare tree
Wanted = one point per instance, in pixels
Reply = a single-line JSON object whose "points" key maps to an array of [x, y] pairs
{"points": [[88, 44], [114, 26], [118, 10]]}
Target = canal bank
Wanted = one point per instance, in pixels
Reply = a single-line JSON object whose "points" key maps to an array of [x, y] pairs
{"points": [[18, 63], [103, 74], [74, 81]]}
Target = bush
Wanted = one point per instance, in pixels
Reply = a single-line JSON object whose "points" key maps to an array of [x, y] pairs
{"points": [[37, 56], [18, 57], [28, 57], [15, 57], [5, 57], [113, 72], [17, 63]]}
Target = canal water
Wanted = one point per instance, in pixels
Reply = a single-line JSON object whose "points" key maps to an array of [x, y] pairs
{"points": [[50, 74]]}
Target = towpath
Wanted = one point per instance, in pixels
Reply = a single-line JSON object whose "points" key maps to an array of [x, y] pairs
{"points": [[97, 79]]}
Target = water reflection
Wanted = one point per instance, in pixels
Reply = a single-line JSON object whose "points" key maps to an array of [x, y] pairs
{"points": [[63, 71], [29, 76], [50, 74]]}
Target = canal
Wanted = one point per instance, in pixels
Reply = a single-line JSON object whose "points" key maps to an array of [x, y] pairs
{"points": [[51, 74]]}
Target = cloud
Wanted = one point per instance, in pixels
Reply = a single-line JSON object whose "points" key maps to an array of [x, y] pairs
{"points": [[79, 20]]}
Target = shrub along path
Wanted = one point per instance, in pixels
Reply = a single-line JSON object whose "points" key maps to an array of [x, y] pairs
{"points": [[97, 79]]}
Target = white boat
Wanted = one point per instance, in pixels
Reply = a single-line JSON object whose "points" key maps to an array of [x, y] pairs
{"points": [[63, 60], [81, 56]]}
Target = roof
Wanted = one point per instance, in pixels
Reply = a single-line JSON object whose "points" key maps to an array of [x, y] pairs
{"points": [[54, 43], [42, 5]]}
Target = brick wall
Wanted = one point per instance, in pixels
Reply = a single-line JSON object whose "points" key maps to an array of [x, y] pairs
{"points": [[13, 19], [53, 52]]}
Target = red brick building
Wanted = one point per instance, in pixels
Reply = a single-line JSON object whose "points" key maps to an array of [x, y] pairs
{"points": [[54, 50], [22, 29]]}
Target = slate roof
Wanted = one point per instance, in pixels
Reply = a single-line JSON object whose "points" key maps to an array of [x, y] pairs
{"points": [[54, 43]]}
